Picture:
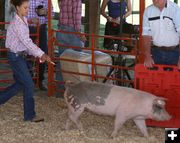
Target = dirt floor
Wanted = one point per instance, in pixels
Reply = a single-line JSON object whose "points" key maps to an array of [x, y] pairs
{"points": [[97, 129]]}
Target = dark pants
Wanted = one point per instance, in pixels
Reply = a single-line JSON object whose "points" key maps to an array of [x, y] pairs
{"points": [[23, 81], [165, 57], [42, 45]]}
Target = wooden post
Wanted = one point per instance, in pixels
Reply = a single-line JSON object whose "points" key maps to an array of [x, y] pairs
{"points": [[2, 12], [141, 48], [50, 50], [91, 20], [94, 18]]}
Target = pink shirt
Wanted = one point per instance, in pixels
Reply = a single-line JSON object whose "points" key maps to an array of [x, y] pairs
{"points": [[17, 38], [70, 13]]}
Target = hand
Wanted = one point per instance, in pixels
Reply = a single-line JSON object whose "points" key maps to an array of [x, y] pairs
{"points": [[44, 58], [109, 18], [148, 62], [178, 65], [34, 20], [117, 20], [83, 38]]}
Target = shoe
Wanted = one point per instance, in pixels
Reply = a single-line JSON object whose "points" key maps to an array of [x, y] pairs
{"points": [[42, 87], [37, 119]]}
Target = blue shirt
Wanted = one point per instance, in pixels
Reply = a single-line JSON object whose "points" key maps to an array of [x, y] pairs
{"points": [[114, 8]]}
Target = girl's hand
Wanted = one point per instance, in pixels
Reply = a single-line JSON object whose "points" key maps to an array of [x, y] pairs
{"points": [[34, 20], [178, 64], [45, 58]]}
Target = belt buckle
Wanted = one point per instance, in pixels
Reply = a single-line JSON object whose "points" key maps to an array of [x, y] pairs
{"points": [[22, 54]]}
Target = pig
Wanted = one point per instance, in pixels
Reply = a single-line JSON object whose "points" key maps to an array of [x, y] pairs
{"points": [[122, 102]]}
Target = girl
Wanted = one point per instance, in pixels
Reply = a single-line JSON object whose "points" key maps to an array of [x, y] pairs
{"points": [[19, 45], [112, 26]]}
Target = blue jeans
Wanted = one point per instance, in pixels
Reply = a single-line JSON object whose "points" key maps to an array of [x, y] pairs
{"points": [[165, 57], [23, 81], [68, 40]]}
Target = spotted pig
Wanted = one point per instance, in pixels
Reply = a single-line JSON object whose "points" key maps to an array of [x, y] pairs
{"points": [[122, 102]]}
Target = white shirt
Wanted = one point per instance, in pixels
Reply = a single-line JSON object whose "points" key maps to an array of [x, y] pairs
{"points": [[163, 26]]}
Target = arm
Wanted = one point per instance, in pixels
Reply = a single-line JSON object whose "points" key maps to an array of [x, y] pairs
{"points": [[129, 9], [32, 49], [179, 56], [77, 10], [147, 45], [102, 9], [176, 21], [177, 25], [26, 41], [147, 38], [148, 61], [77, 7]]}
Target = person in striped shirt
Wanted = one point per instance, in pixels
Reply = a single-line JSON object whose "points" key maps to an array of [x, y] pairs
{"points": [[69, 21], [19, 45], [38, 10]]}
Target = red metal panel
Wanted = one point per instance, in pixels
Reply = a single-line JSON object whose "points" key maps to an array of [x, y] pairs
{"points": [[164, 81], [50, 50]]}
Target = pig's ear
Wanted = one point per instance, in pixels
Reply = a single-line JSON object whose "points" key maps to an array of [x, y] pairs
{"points": [[162, 98], [160, 101]]}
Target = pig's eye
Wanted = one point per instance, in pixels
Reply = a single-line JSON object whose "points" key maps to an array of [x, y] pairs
{"points": [[157, 109]]}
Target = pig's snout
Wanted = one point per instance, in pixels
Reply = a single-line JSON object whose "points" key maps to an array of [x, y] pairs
{"points": [[160, 113], [167, 117], [163, 116]]}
